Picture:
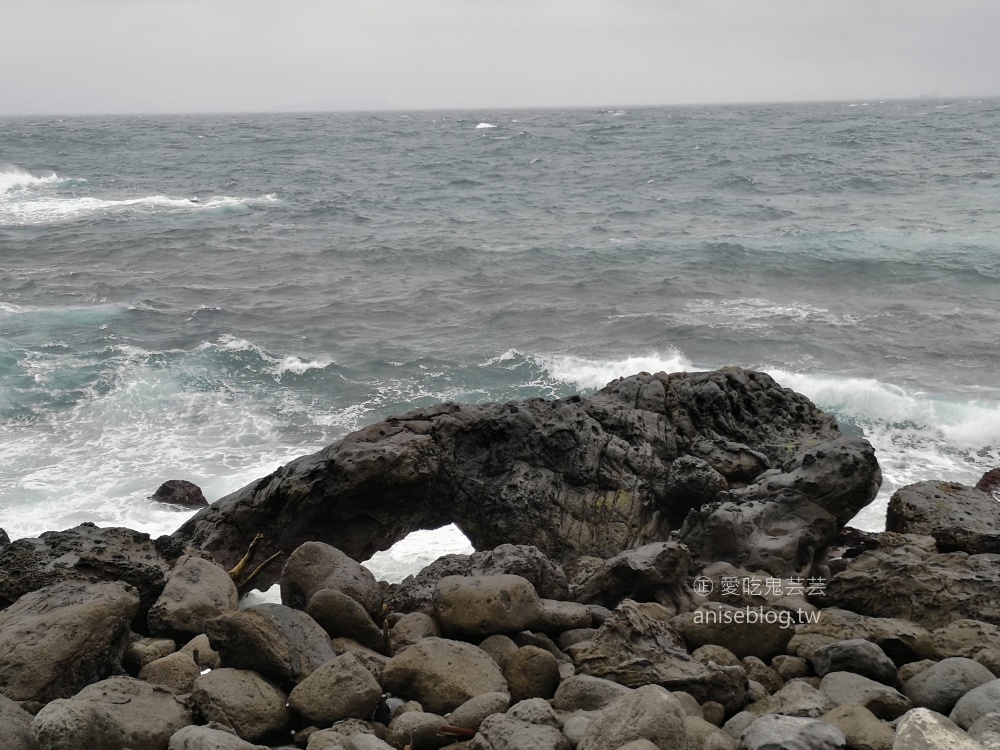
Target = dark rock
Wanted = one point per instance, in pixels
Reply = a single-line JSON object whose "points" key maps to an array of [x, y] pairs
{"points": [[83, 553], [941, 685], [196, 590], [636, 646], [4, 539], [478, 606], [959, 518], [281, 643], [141, 650], [571, 476], [855, 655], [315, 566], [180, 492], [474, 711], [62, 637], [411, 628], [243, 701], [342, 617], [653, 572], [917, 585], [775, 732], [176, 672], [531, 672], [899, 639], [850, 543], [339, 689], [990, 483]]}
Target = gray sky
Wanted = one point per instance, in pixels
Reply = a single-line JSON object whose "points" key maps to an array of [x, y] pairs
{"points": [[111, 56]]}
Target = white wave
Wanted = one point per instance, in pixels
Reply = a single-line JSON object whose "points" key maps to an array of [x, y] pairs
{"points": [[507, 356], [417, 550], [484, 125], [14, 178], [298, 366], [291, 363], [592, 373], [757, 312]]}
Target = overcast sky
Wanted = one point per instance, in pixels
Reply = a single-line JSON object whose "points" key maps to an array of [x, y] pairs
{"points": [[123, 56]]}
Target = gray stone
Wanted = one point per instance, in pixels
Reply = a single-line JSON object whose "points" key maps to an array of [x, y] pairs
{"points": [[776, 732], [200, 649], [315, 566], [986, 731], [976, 703], [478, 606], [342, 617], [472, 713], [650, 713], [790, 667], [883, 701], [585, 693], [556, 616], [760, 632], [651, 572], [796, 698], [705, 736], [120, 712], [502, 732], [371, 660], [941, 685], [959, 638], [500, 648], [410, 628], [442, 674], [180, 492], [56, 640], [339, 689], [712, 652], [15, 726], [861, 727], [206, 738], [908, 671], [418, 729], [899, 639], [243, 701], [738, 723], [856, 655], [535, 711], [175, 672], [758, 671], [577, 635], [960, 518], [142, 650], [196, 590], [923, 729], [531, 672], [281, 643]]}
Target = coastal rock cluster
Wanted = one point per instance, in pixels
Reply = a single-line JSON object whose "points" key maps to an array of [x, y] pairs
{"points": [[722, 606]]}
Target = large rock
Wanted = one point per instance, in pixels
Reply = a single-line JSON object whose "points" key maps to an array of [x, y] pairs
{"points": [[478, 606], [503, 732], [341, 616], [570, 476], [180, 492], [636, 646], [582, 692], [649, 713], [941, 685], [850, 688], [243, 701], [196, 591], [281, 643], [206, 738], [899, 639], [15, 726], [315, 566], [855, 655], [775, 732], [795, 699], [861, 727], [120, 712], [87, 553], [442, 674], [531, 672], [756, 631], [653, 572], [976, 703], [340, 689], [923, 729], [62, 637], [930, 589], [959, 518]]}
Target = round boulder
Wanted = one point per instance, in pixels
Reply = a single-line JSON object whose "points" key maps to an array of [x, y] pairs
{"points": [[340, 689], [531, 672], [242, 700], [477, 606]]}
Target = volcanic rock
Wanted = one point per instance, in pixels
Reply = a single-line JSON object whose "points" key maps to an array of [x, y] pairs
{"points": [[196, 590], [180, 492], [960, 518], [243, 701], [315, 566]]}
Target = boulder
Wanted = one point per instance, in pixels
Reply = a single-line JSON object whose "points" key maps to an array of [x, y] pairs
{"points": [[175, 672], [419, 730], [790, 667], [88, 554], [62, 637], [929, 589], [531, 672], [712, 652], [196, 590], [339, 689], [959, 638], [569, 476], [990, 483], [281, 643], [499, 647], [4, 539], [777, 732], [341, 616], [180, 492], [206, 738], [976, 703], [653, 572], [704, 736], [243, 701], [15, 726], [141, 650], [557, 617], [923, 729], [315, 566], [649, 713], [112, 714], [478, 606], [898, 638], [759, 631], [636, 646], [442, 674], [941, 685], [960, 518], [411, 628], [986, 729], [472, 713], [849, 688], [855, 655], [861, 727], [795, 699], [371, 660], [503, 732], [758, 671], [585, 693], [200, 649]]}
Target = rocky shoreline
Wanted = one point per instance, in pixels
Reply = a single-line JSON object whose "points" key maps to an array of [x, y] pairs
{"points": [[664, 564]]}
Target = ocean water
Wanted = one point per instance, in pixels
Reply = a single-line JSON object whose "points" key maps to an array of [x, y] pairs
{"points": [[207, 297]]}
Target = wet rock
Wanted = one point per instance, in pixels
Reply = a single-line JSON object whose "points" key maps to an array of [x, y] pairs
{"points": [[15, 726], [342, 617], [112, 714], [649, 713], [636, 646], [776, 732], [88, 554], [442, 674], [339, 689], [855, 655], [242, 700], [62, 637], [176, 672], [315, 566], [477, 606], [990, 483], [923, 729], [941, 685], [531, 672], [883, 701], [569, 476], [976, 703], [206, 738], [196, 590], [281, 643], [180, 492], [502, 732]]}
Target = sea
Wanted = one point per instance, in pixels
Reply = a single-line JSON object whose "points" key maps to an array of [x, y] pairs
{"points": [[206, 297]]}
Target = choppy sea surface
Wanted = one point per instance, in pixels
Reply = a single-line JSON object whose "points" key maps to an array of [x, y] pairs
{"points": [[207, 297]]}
